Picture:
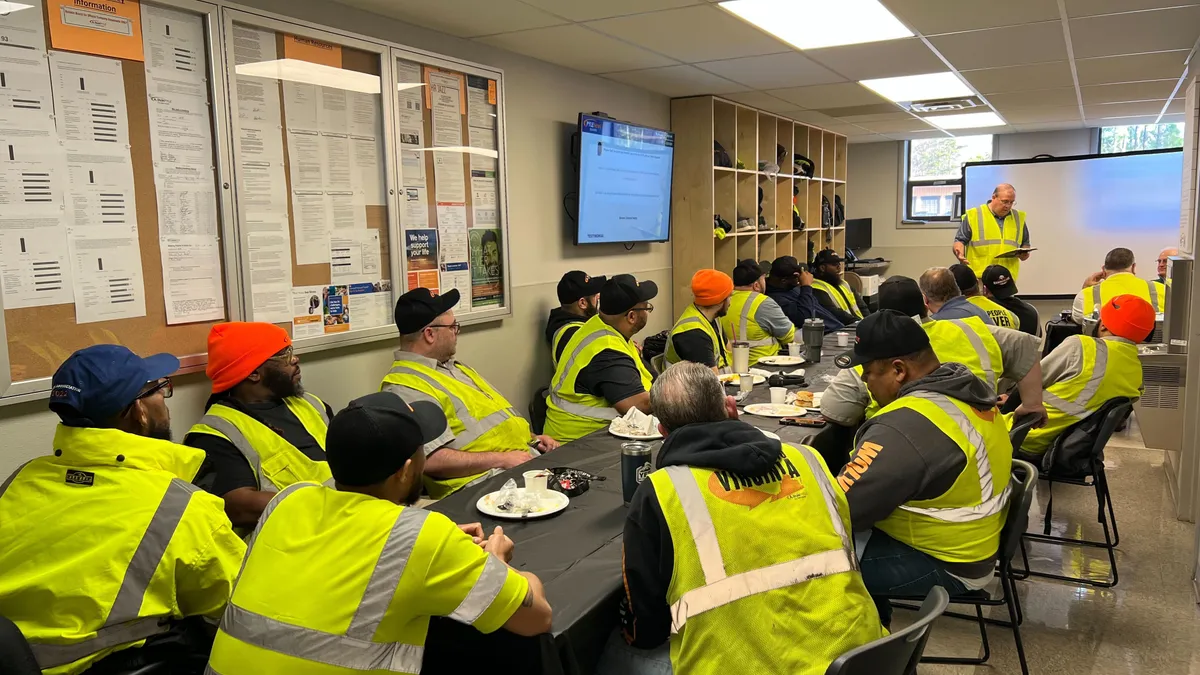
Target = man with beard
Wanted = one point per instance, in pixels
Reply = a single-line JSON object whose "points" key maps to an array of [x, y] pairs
{"points": [[832, 291], [261, 431], [579, 300], [110, 556], [697, 335], [753, 317], [346, 579]]}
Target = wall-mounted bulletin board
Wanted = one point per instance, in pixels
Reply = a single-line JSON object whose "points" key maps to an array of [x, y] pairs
{"points": [[111, 220], [168, 165]]}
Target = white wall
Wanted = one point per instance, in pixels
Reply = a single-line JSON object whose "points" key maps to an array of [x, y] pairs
{"points": [[542, 105]]}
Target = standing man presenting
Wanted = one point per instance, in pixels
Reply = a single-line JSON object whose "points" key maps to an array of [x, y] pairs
{"points": [[990, 230]]}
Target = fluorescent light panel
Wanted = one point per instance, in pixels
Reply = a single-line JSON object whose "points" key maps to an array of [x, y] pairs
{"points": [[966, 121], [813, 24], [294, 70], [918, 87]]}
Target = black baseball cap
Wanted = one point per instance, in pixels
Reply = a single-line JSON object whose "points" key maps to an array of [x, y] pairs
{"points": [[827, 256], [419, 307], [886, 334], [375, 435], [747, 272], [623, 292], [576, 284], [965, 277], [999, 281], [98, 382], [903, 295], [785, 266]]}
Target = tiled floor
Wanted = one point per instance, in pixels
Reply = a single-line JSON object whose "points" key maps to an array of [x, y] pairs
{"points": [[1148, 623]]}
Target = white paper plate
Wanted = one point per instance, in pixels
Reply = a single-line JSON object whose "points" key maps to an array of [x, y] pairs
{"points": [[630, 437], [770, 435], [775, 410], [733, 380], [552, 503], [782, 360]]}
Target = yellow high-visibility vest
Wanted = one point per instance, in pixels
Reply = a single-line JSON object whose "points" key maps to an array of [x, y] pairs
{"points": [[842, 295], [559, 334], [1000, 316], [989, 239], [1124, 283], [739, 323], [692, 319]]}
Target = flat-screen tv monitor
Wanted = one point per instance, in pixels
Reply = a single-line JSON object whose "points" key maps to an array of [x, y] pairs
{"points": [[624, 182], [858, 234]]}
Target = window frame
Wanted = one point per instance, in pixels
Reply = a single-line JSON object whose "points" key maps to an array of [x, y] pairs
{"points": [[1100, 138], [906, 216]]}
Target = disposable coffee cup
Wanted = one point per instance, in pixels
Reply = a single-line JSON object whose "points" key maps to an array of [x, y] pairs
{"points": [[745, 382], [535, 481], [793, 349], [778, 395], [741, 356], [843, 339]]}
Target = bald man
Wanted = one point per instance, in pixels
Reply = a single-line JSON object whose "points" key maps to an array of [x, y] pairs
{"points": [[1164, 259], [990, 230]]}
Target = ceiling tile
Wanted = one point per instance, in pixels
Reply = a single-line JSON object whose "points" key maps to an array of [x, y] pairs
{"points": [[1120, 121], [829, 95], [1122, 109], [1135, 32], [1041, 115], [1130, 91], [587, 10], [875, 110], [1037, 98], [762, 101], [1175, 106], [576, 47], [1018, 78], [868, 138], [872, 117], [464, 18], [811, 117], [1048, 126], [931, 17], [914, 135], [676, 81], [889, 58], [895, 126], [1173, 118], [1132, 68], [1012, 46], [1077, 8], [776, 71], [688, 34]]}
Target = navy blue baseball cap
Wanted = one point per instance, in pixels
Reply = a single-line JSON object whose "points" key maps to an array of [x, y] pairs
{"points": [[97, 382]]}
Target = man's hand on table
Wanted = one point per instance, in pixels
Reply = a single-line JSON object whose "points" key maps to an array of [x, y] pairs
{"points": [[475, 530], [499, 545], [545, 443]]}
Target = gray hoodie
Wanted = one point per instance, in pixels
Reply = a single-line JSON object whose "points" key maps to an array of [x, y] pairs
{"points": [[913, 460]]}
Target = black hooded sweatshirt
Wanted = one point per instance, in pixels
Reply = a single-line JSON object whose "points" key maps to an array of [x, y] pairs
{"points": [[558, 318], [649, 557]]}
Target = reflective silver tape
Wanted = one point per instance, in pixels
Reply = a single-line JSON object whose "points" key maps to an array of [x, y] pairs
{"points": [[570, 362], [1153, 286], [478, 428], [835, 516], [381, 588], [1095, 299], [470, 424], [603, 414], [319, 646], [699, 520], [8, 481], [486, 589], [985, 358], [319, 405], [53, 656], [983, 464], [1063, 405], [744, 318], [1098, 368], [234, 435]]}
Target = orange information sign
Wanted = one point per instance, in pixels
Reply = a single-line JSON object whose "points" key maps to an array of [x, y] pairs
{"points": [[103, 27], [491, 92], [313, 51]]}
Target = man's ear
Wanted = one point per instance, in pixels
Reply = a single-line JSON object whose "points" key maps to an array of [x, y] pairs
{"points": [[662, 430], [731, 409]]}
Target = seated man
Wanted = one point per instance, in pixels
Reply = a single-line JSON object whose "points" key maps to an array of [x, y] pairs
{"points": [[929, 479], [1001, 288], [396, 565], [111, 558], [737, 548], [1083, 373], [969, 285], [943, 299], [485, 433], [601, 375], [832, 291], [753, 317], [261, 431], [579, 300], [1117, 277], [790, 285], [697, 334], [1164, 259]]}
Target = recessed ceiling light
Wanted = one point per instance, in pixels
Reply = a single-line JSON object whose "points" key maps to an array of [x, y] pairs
{"points": [[967, 121], [813, 24], [918, 87]]}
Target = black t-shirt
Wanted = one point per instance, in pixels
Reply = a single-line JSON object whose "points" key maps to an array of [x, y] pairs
{"points": [[611, 375], [696, 346], [226, 469], [1026, 313]]}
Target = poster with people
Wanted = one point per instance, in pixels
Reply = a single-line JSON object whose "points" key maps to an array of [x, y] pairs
{"points": [[487, 268]]}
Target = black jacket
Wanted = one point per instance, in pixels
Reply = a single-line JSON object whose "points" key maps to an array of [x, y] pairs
{"points": [[557, 319], [649, 557], [831, 304]]}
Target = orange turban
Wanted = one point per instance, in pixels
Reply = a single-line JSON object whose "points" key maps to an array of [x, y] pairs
{"points": [[237, 348], [711, 287]]}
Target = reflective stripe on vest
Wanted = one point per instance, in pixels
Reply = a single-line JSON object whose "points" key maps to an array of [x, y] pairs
{"points": [[720, 589], [596, 413], [230, 431], [837, 293], [123, 624], [1152, 288], [748, 308], [1078, 407], [559, 335], [985, 359], [990, 506], [984, 213], [472, 428]]}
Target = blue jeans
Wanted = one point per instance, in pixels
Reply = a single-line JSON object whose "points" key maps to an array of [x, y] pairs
{"points": [[619, 658], [891, 567]]}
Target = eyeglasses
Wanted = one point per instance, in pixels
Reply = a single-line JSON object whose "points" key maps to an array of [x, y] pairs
{"points": [[286, 355], [455, 327], [1163, 260], [648, 308], [164, 385]]}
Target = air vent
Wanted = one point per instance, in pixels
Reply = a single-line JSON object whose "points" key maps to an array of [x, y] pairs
{"points": [[943, 105]]}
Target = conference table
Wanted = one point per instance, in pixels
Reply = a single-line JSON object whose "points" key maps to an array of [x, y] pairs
{"points": [[576, 553]]}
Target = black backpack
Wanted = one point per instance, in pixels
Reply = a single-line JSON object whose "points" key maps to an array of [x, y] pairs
{"points": [[720, 157], [826, 214]]}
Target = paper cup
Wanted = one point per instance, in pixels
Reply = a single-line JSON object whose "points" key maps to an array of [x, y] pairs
{"points": [[535, 481], [793, 349], [843, 339], [745, 382], [778, 394]]}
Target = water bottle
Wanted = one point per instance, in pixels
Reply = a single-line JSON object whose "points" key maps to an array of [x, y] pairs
{"points": [[813, 334], [635, 466]]}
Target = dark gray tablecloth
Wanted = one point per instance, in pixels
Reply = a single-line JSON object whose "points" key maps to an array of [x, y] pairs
{"points": [[576, 554]]}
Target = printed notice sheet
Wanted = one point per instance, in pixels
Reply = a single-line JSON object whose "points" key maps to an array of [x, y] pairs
{"points": [[483, 199], [26, 100], [89, 98], [173, 40], [300, 106], [21, 25], [305, 154], [452, 230], [335, 156], [270, 271], [192, 278], [416, 208], [310, 216], [106, 272], [367, 169], [306, 312], [446, 107], [371, 304], [33, 176], [362, 114], [354, 256], [449, 185], [346, 211], [101, 189], [33, 263], [252, 45]]}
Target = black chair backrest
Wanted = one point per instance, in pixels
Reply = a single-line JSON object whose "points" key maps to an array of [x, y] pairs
{"points": [[1087, 439], [1024, 477], [538, 409], [16, 658], [1020, 430], [898, 653]]}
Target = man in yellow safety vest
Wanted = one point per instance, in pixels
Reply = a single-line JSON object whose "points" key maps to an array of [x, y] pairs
{"points": [[579, 300], [697, 335], [737, 550], [832, 290], [1116, 277], [485, 434], [1163, 261], [601, 374], [1083, 373], [261, 431], [754, 317], [110, 559], [972, 290], [930, 476], [992, 230], [345, 580]]}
